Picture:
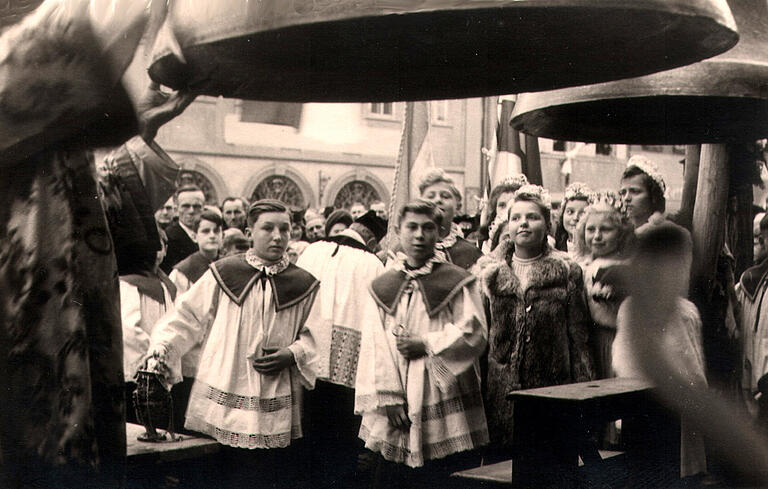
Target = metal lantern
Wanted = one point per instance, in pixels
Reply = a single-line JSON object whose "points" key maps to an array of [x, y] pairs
{"points": [[385, 50], [716, 100]]}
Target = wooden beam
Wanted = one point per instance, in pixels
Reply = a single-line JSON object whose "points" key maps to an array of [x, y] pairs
{"points": [[533, 160], [709, 214], [690, 180]]}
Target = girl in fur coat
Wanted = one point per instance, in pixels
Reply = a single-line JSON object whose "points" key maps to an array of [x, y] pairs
{"points": [[538, 320]]}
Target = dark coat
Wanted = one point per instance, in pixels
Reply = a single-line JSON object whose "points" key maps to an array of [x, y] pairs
{"points": [[464, 254], [180, 246], [536, 339]]}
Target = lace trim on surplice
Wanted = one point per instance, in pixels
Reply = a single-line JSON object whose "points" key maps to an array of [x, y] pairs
{"points": [[248, 440], [248, 403]]}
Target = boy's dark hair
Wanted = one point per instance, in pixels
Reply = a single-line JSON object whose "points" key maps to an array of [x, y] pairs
{"points": [[212, 217], [658, 201], [422, 207], [263, 206]]}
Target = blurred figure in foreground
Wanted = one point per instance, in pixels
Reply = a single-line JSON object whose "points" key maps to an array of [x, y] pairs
{"points": [[679, 339], [63, 417], [666, 354], [751, 294]]}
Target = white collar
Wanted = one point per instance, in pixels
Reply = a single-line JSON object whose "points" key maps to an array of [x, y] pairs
{"points": [[351, 233], [266, 267]]}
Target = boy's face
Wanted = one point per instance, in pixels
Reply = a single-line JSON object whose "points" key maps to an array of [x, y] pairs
{"points": [[418, 235], [270, 234], [209, 236], [441, 195]]}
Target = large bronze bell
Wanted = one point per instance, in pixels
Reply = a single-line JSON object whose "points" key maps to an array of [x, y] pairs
{"points": [[384, 50], [716, 100]]}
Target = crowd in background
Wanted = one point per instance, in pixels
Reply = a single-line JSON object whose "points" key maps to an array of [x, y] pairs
{"points": [[360, 358]]}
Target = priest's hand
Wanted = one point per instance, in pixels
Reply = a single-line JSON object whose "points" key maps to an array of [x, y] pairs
{"points": [[411, 347], [397, 416], [157, 107], [274, 363]]}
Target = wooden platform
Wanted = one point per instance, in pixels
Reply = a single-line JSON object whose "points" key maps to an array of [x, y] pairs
{"points": [[501, 473], [187, 447]]}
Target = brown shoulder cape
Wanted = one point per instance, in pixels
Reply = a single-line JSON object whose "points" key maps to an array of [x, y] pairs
{"points": [[236, 277], [438, 288]]}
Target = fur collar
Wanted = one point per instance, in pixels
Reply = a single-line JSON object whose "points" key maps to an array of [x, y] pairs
{"points": [[498, 278]]}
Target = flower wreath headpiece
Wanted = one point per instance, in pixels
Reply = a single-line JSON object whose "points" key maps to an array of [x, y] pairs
{"points": [[649, 168], [536, 191], [578, 190], [517, 180], [608, 198]]}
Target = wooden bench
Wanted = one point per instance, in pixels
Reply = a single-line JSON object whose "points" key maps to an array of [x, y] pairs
{"points": [[189, 462], [552, 427], [187, 447]]}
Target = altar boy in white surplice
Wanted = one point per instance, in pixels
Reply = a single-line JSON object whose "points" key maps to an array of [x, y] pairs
{"points": [[418, 378], [257, 356]]}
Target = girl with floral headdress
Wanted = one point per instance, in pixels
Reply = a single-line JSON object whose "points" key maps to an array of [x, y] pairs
{"points": [[604, 238], [643, 192], [538, 326], [496, 208], [576, 198]]}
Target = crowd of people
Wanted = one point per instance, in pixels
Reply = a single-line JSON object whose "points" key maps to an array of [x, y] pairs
{"points": [[319, 351]]}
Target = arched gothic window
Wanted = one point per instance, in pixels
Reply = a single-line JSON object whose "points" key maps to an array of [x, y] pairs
{"points": [[281, 188], [191, 177], [355, 191]]}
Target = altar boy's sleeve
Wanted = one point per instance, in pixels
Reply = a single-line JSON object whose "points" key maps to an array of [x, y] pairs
{"points": [[304, 348], [184, 327], [456, 347], [378, 383]]}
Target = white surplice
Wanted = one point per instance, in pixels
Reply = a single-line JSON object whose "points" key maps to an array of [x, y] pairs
{"points": [[441, 390], [230, 400], [342, 306]]}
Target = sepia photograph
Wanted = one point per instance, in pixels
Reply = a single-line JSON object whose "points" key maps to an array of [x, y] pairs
{"points": [[367, 244]]}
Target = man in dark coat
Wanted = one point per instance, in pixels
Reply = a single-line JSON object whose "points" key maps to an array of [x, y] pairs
{"points": [[181, 241]]}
